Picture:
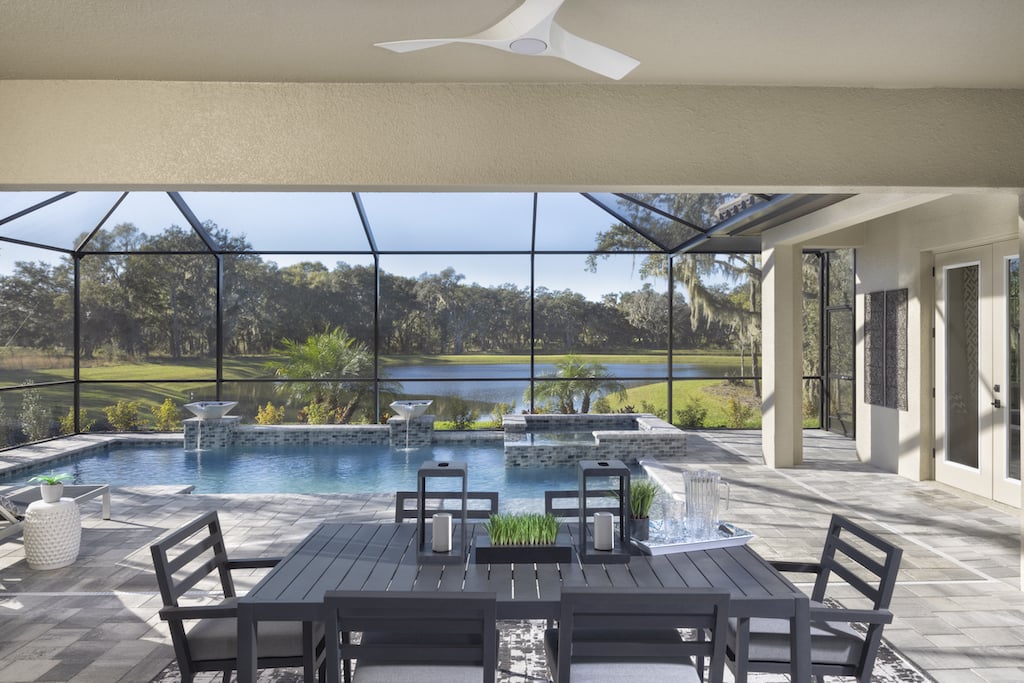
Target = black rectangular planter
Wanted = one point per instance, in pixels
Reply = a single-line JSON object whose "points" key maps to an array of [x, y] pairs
{"points": [[485, 553]]}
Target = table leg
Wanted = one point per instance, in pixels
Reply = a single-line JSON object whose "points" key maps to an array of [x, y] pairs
{"points": [[800, 642], [246, 644]]}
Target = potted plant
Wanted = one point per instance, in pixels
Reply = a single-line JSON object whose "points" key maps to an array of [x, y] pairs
{"points": [[523, 537], [51, 486], [642, 493]]}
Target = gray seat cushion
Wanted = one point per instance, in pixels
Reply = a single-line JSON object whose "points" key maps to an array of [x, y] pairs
{"points": [[218, 638], [831, 642], [417, 673], [600, 669]]}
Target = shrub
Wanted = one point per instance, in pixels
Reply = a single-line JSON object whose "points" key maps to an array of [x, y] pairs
{"points": [[318, 414], [269, 415], [167, 417], [124, 417], [5, 430], [693, 414], [67, 423], [463, 415], [648, 407], [35, 418], [602, 405], [737, 413], [499, 412]]}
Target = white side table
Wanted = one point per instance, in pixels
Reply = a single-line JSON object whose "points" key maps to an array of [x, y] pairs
{"points": [[53, 534]]}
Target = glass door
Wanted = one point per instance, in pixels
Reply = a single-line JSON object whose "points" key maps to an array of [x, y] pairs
{"points": [[976, 382], [1006, 404]]}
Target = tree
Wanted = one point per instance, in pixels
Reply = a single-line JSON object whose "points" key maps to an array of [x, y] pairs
{"points": [[574, 379], [698, 273], [331, 361]]}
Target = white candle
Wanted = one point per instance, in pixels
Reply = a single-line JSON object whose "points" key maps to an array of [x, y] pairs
{"points": [[604, 531], [442, 529]]}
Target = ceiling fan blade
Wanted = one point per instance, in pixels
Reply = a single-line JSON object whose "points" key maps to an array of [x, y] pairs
{"points": [[591, 56], [418, 44], [529, 19]]}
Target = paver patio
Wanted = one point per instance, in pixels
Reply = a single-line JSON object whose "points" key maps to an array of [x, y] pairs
{"points": [[959, 608]]}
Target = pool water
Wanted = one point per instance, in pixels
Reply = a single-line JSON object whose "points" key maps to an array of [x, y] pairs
{"points": [[311, 469]]}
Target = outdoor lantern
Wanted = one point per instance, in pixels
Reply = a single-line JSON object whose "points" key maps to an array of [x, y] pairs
{"points": [[590, 547], [425, 547]]}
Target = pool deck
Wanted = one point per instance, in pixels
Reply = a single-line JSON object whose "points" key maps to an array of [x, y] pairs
{"points": [[958, 605]]}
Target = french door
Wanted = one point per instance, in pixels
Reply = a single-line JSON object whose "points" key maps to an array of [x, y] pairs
{"points": [[977, 380]]}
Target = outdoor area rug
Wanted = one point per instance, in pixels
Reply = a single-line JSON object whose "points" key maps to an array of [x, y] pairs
{"points": [[521, 660]]}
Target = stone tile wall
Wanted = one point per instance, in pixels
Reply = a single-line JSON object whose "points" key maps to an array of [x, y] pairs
{"points": [[625, 437]]}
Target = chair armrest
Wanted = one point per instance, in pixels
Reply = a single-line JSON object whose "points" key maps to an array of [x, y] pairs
{"points": [[253, 562], [199, 612], [801, 567], [865, 616]]}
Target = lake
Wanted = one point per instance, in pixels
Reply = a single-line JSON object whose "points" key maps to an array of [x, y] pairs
{"points": [[507, 382]]}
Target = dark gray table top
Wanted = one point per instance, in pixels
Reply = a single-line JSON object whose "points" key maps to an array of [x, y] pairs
{"points": [[342, 556]]}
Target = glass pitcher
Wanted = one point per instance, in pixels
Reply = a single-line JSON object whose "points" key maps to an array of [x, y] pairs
{"points": [[702, 497]]}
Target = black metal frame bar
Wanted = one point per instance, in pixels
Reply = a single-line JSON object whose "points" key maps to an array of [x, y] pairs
{"points": [[213, 249]]}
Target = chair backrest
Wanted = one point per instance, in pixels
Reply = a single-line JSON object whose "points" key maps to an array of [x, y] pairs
{"points": [[184, 557], [862, 559], [404, 511], [454, 628], [571, 512], [621, 620]]}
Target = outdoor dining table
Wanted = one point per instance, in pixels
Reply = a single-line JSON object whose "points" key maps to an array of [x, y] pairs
{"points": [[360, 556]]}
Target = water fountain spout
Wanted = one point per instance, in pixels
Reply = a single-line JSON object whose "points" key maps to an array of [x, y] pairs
{"points": [[410, 410], [208, 410]]}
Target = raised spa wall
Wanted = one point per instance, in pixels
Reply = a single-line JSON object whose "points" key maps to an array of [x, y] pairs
{"points": [[626, 437]]}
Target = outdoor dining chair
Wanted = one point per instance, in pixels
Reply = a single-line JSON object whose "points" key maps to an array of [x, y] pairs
{"points": [[414, 637], [634, 634], [194, 557], [404, 511], [844, 641]]}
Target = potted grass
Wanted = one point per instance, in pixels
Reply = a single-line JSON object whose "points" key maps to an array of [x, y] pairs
{"points": [[642, 493], [522, 538], [51, 486]]}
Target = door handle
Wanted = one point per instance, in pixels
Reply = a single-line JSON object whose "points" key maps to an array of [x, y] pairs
{"points": [[997, 403]]}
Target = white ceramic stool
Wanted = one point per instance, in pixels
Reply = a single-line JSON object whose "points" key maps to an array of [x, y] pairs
{"points": [[53, 534]]}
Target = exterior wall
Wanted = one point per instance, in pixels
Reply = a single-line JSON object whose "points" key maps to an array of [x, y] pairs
{"points": [[896, 252]]}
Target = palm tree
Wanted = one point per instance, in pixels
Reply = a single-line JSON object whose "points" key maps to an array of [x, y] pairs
{"points": [[332, 361], [574, 379]]}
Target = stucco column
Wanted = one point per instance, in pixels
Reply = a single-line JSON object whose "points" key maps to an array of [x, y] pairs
{"points": [[781, 343], [1020, 250]]}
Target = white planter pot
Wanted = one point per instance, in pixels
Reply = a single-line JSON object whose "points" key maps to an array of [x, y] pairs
{"points": [[51, 493]]}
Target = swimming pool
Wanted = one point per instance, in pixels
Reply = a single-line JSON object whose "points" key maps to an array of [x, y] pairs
{"points": [[310, 469]]}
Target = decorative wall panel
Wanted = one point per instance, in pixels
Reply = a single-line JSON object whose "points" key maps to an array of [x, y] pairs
{"points": [[885, 349]]}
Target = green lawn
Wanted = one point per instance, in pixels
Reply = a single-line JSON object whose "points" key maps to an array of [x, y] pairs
{"points": [[154, 385]]}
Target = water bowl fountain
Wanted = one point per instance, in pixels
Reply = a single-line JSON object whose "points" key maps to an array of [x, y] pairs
{"points": [[211, 410], [410, 410]]}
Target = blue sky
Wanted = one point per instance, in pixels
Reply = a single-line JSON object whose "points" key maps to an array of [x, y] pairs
{"points": [[432, 222]]}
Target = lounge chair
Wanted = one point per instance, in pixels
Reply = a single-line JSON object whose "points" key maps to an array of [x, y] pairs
{"points": [[79, 492], [11, 524]]}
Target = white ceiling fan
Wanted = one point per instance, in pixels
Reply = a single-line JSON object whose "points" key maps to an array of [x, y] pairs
{"points": [[531, 30]]}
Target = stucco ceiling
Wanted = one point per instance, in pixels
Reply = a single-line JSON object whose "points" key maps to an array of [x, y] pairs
{"points": [[859, 43]]}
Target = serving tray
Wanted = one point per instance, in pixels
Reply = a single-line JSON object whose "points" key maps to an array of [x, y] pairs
{"points": [[672, 538]]}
